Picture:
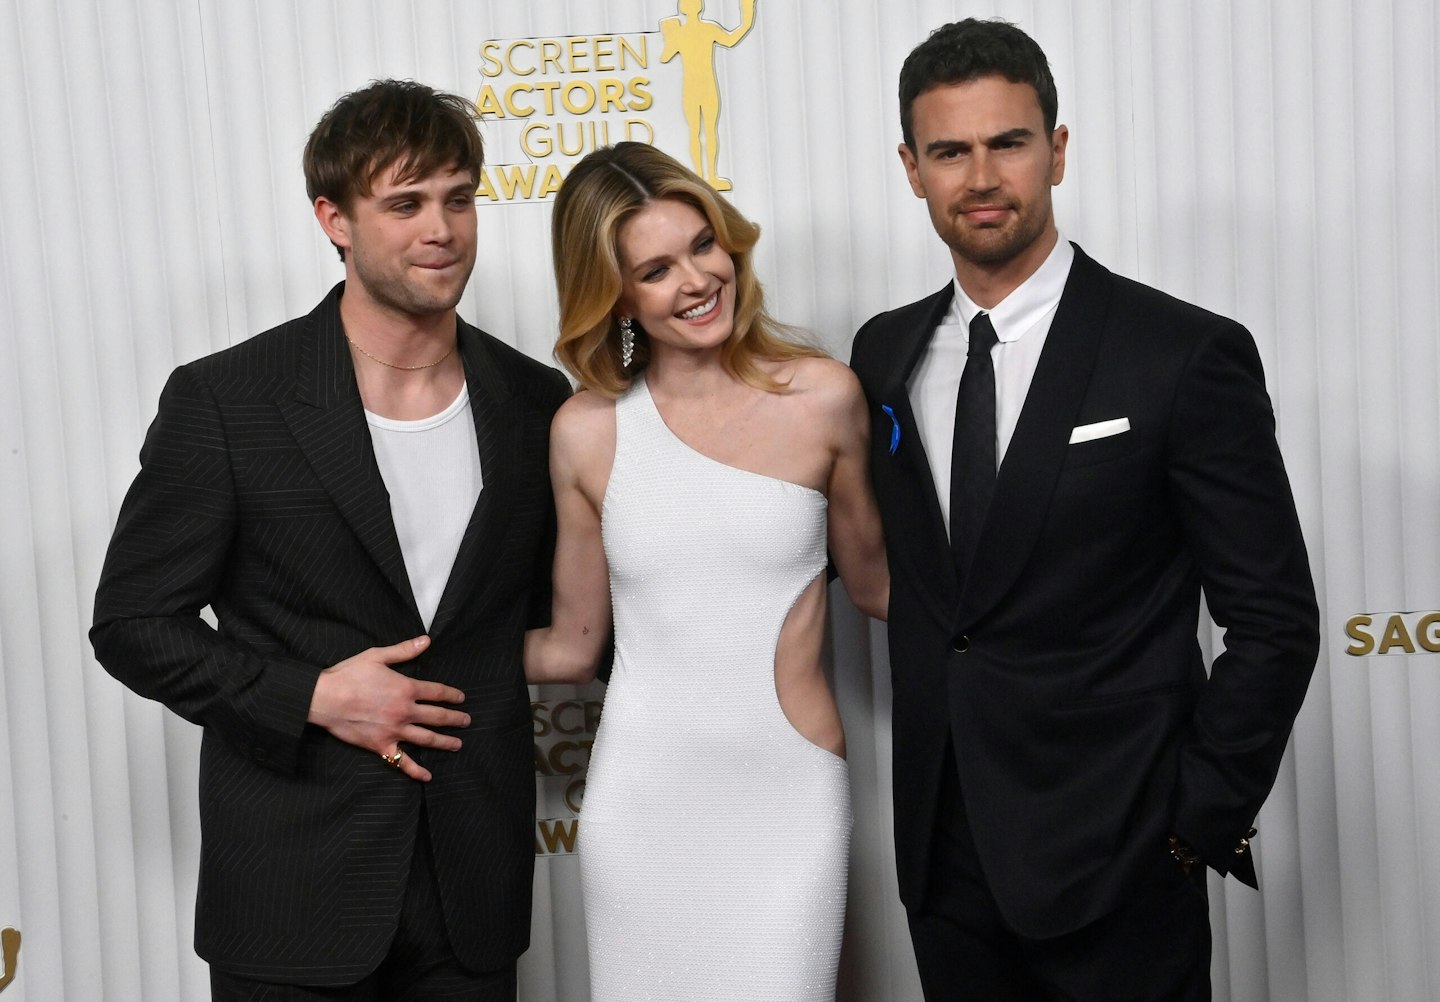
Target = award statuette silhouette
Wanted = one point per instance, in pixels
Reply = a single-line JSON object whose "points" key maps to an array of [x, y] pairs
{"points": [[10, 945], [693, 39]]}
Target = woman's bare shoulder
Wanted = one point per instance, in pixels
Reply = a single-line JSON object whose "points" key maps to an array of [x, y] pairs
{"points": [[828, 383], [585, 420]]}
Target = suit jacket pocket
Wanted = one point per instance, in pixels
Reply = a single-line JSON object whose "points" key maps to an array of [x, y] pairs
{"points": [[1129, 695], [1101, 450]]}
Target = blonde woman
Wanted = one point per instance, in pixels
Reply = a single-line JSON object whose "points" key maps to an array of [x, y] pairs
{"points": [[700, 477]]}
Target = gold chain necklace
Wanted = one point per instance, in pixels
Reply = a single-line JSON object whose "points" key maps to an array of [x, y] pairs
{"points": [[392, 365]]}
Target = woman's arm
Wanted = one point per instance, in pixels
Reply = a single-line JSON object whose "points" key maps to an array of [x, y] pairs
{"points": [[582, 450], [857, 541]]}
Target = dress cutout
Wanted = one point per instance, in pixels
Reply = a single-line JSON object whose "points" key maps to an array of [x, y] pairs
{"points": [[714, 837]]}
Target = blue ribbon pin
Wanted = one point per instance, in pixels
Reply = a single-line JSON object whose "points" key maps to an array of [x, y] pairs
{"points": [[894, 428]]}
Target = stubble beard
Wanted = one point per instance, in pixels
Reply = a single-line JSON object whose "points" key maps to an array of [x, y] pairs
{"points": [[389, 287], [993, 244]]}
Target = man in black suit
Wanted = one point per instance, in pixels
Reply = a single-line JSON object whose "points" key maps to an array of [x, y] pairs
{"points": [[361, 496], [1064, 461]]}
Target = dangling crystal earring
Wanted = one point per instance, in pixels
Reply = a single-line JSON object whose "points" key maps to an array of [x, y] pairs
{"points": [[627, 341]]}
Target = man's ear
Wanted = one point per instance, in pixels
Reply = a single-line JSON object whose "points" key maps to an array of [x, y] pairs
{"points": [[912, 169], [1058, 140], [334, 222]]}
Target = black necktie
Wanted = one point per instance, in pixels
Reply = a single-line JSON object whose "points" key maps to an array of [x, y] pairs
{"points": [[972, 457]]}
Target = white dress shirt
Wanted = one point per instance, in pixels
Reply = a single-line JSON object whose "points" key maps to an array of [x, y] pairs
{"points": [[1022, 322]]}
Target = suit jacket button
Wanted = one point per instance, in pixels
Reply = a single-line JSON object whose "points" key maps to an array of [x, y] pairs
{"points": [[961, 644]]}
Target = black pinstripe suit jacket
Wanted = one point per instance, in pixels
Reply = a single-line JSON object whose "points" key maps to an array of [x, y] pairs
{"points": [[259, 496]]}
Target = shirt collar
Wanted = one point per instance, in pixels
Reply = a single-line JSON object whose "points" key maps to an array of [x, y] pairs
{"points": [[1030, 300]]}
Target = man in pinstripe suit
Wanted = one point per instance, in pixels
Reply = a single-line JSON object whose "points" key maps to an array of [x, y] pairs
{"points": [[361, 496]]}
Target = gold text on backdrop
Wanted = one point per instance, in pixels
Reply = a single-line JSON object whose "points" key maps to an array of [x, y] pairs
{"points": [[1378, 633], [544, 103], [564, 732]]}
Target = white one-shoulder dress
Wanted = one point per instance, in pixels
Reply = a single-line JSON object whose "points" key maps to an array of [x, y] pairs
{"points": [[714, 837]]}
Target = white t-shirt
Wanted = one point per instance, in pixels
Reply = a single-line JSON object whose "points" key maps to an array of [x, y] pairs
{"points": [[431, 468]]}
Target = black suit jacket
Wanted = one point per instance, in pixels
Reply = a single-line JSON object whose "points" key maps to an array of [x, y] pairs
{"points": [[260, 497], [1068, 674]]}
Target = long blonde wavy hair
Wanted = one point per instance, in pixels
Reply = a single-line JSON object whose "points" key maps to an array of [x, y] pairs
{"points": [[602, 191]]}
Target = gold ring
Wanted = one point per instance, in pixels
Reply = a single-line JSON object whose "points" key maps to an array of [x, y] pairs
{"points": [[395, 758]]}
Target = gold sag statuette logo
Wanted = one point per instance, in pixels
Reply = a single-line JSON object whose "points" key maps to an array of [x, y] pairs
{"points": [[1377, 633], [564, 732], [546, 102], [10, 944], [694, 39]]}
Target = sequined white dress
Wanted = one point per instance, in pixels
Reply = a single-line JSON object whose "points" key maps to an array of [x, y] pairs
{"points": [[714, 837]]}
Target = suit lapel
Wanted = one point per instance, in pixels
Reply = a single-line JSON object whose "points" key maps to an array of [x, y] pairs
{"points": [[911, 466], [472, 577], [328, 421], [1027, 476]]}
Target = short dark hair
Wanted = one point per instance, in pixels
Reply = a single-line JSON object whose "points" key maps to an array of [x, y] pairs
{"points": [[397, 123], [968, 50]]}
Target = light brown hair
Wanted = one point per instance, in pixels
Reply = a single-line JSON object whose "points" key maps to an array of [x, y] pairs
{"points": [[399, 123]]}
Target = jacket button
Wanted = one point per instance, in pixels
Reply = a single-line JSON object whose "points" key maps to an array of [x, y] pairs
{"points": [[961, 644]]}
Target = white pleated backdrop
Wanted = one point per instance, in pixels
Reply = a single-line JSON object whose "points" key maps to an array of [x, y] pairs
{"points": [[1274, 161]]}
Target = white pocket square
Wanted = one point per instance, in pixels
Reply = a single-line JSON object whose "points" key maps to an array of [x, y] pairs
{"points": [[1100, 429]]}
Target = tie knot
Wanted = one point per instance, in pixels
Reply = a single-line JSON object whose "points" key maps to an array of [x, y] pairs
{"points": [[982, 334]]}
